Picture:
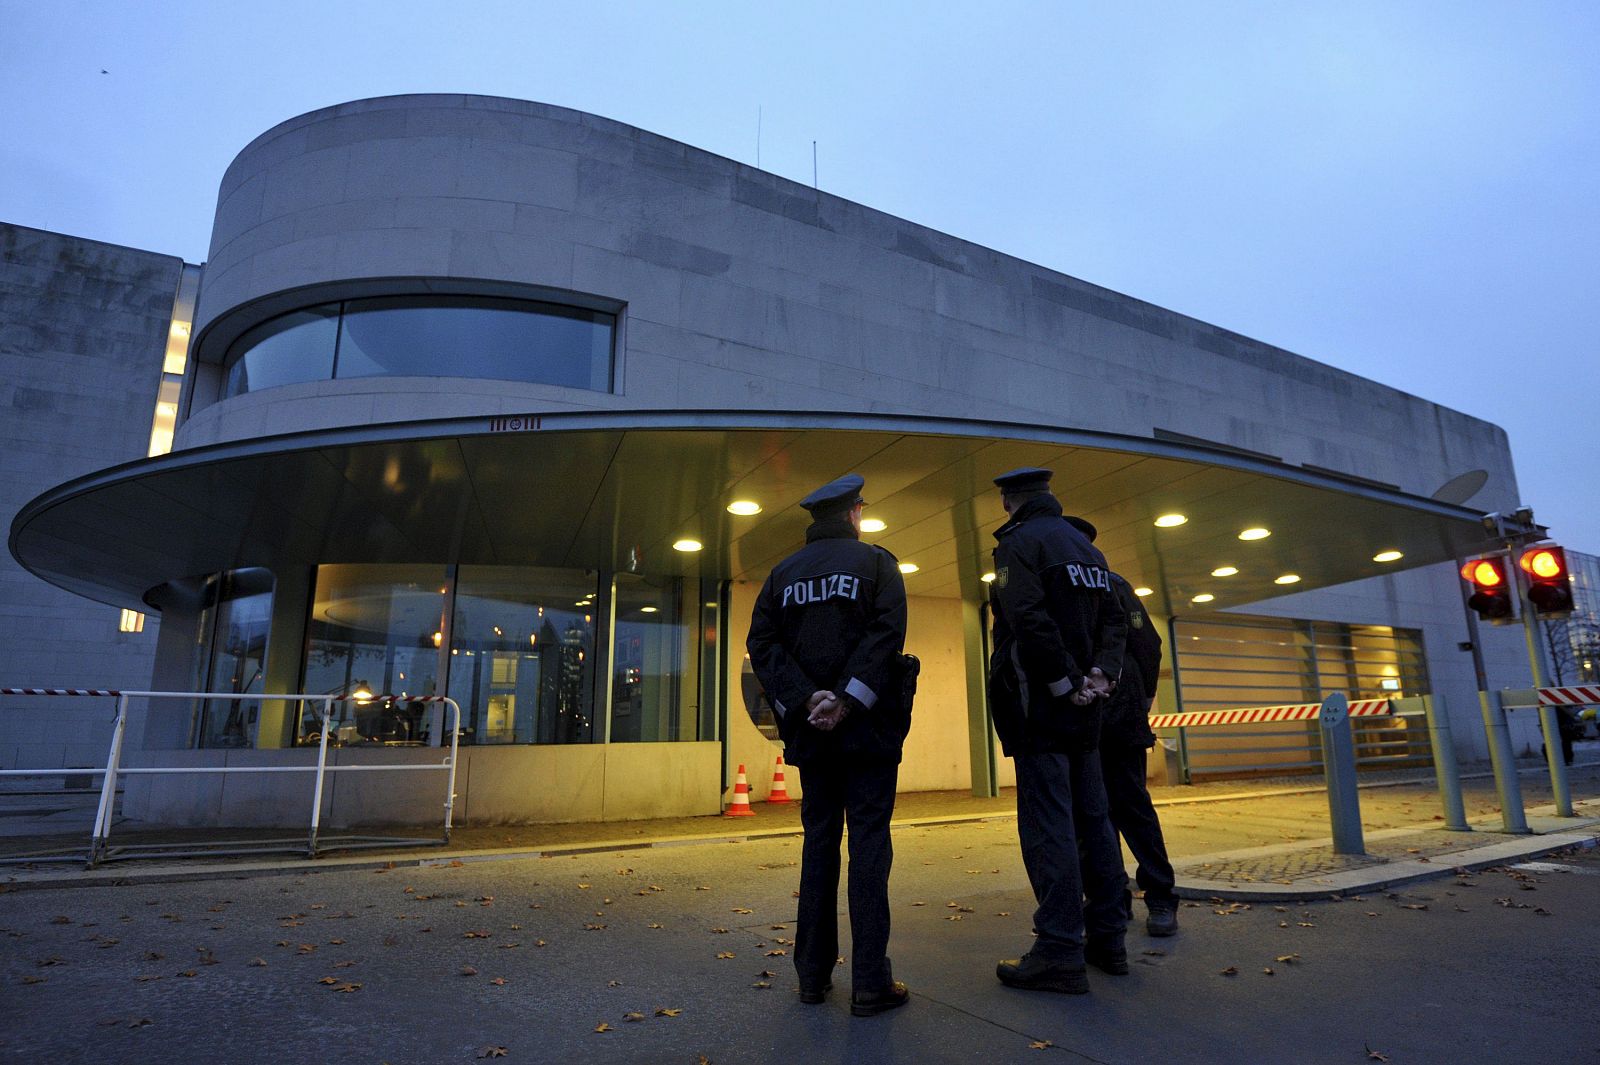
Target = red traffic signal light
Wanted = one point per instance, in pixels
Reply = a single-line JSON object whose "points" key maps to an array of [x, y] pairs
{"points": [[1491, 591], [1549, 589]]}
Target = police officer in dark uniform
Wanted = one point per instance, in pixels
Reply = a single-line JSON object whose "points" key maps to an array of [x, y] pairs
{"points": [[826, 642], [1058, 638], [1125, 736]]}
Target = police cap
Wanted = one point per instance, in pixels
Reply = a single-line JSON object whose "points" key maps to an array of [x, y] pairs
{"points": [[1083, 525], [1025, 479], [841, 494]]}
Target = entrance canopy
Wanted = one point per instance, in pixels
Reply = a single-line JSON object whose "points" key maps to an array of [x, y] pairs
{"points": [[617, 491]]}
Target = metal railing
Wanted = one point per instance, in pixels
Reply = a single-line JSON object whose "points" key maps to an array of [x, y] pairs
{"points": [[99, 848], [1333, 720]]}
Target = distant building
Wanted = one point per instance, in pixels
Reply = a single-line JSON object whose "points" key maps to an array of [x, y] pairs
{"points": [[513, 403]]}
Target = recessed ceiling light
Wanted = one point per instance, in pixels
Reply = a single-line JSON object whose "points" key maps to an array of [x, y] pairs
{"points": [[1256, 533], [647, 610], [1203, 597], [873, 525], [687, 545], [987, 578], [1170, 521], [909, 567], [744, 507], [1225, 571], [1142, 592], [1390, 555], [1287, 578]]}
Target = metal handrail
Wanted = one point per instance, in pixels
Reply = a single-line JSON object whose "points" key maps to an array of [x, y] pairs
{"points": [[113, 768]]}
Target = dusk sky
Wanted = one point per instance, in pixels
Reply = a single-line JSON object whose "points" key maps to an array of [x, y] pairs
{"points": [[1405, 190]]}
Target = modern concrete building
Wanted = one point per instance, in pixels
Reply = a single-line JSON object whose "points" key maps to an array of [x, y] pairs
{"points": [[513, 403]]}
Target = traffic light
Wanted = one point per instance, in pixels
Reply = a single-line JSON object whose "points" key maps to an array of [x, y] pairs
{"points": [[1491, 591], [1549, 589]]}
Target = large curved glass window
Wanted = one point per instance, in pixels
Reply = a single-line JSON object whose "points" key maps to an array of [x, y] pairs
{"points": [[427, 336]]}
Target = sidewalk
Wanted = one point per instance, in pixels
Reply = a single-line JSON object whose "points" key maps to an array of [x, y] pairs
{"points": [[1231, 840]]}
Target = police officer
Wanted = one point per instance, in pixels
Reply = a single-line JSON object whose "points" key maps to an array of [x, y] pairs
{"points": [[826, 642], [1125, 736], [1058, 637]]}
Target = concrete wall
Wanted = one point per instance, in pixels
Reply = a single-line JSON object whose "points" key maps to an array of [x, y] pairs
{"points": [[747, 291], [83, 327], [494, 785]]}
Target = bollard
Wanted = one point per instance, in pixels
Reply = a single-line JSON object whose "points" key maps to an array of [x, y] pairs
{"points": [[1339, 769], [1444, 763], [1506, 785], [1551, 726]]}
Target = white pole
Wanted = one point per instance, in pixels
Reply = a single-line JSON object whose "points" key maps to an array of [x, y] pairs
{"points": [[455, 750], [322, 766], [108, 787]]}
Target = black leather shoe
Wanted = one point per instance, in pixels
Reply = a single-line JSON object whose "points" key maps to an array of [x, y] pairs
{"points": [[812, 996], [868, 1003], [1162, 919], [1108, 957], [1036, 974]]}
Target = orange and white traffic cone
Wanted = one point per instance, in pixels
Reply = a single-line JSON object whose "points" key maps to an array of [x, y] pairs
{"points": [[780, 790], [740, 807]]}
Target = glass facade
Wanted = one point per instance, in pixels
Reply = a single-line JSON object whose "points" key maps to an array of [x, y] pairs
{"points": [[533, 655], [426, 336]]}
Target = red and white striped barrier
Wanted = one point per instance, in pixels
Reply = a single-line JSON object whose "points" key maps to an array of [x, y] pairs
{"points": [[1588, 695], [1251, 715], [60, 691]]}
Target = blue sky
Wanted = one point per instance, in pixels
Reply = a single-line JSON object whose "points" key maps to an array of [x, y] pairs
{"points": [[1406, 190]]}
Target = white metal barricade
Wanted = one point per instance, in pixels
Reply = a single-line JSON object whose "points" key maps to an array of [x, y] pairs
{"points": [[98, 845]]}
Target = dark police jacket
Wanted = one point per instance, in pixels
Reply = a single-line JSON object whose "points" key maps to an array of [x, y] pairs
{"points": [[1055, 617], [832, 617], [1126, 721]]}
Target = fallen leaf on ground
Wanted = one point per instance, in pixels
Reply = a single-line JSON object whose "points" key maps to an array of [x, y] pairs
{"points": [[762, 984], [1231, 970], [498, 981], [467, 970], [1286, 959], [492, 1052], [662, 1011], [724, 954], [1040, 1044]]}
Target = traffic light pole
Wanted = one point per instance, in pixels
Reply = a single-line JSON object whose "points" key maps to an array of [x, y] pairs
{"points": [[1549, 721]]}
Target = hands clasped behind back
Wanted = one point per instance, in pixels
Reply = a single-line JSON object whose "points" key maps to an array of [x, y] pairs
{"points": [[825, 710]]}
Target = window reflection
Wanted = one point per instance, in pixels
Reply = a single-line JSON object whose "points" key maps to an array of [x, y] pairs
{"points": [[432, 336], [286, 350], [522, 654], [377, 631], [235, 617], [652, 666]]}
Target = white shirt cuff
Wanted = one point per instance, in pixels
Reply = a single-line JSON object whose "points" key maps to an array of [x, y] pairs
{"points": [[779, 708], [1061, 687], [861, 693]]}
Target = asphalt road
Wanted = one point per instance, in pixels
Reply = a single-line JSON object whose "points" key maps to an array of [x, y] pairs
{"points": [[447, 964]]}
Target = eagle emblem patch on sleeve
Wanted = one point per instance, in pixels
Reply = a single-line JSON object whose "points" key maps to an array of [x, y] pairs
{"points": [[1136, 619], [1001, 576]]}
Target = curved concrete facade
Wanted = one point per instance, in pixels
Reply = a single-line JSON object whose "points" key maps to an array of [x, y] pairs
{"points": [[741, 290]]}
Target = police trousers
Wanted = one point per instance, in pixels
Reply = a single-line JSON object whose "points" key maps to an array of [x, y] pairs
{"points": [[1071, 854], [1133, 815], [834, 793]]}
